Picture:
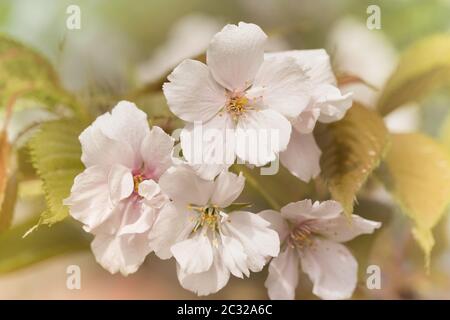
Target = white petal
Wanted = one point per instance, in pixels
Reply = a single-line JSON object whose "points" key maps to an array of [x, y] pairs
{"points": [[261, 135], [342, 229], [302, 156], [183, 186], [207, 282], [331, 267], [306, 210], [235, 55], [192, 94], [209, 146], [89, 200], [171, 226], [120, 182], [234, 257], [137, 217], [194, 255], [306, 121], [283, 275], [332, 104], [277, 223], [120, 253], [316, 62], [156, 151], [100, 149], [283, 85], [227, 187], [259, 241], [148, 189]]}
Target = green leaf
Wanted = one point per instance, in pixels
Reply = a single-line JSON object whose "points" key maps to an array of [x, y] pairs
{"points": [[351, 149], [416, 171], [9, 202], [25, 74], [5, 150], [445, 133], [422, 68], [17, 252], [56, 155]]}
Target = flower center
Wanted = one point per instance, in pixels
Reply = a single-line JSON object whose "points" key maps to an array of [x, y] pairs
{"points": [[237, 106], [209, 217], [300, 236], [137, 179]]}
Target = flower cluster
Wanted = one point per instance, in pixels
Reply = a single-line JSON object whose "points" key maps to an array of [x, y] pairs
{"points": [[136, 197]]}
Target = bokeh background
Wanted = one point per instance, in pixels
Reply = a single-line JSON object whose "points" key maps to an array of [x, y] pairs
{"points": [[125, 44]]}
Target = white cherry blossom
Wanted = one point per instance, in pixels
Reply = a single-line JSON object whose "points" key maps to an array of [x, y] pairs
{"points": [[311, 235], [242, 98], [117, 197], [208, 243]]}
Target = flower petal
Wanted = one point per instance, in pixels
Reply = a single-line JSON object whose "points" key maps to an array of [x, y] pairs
{"points": [[342, 229], [194, 255], [171, 226], [209, 146], [331, 267], [283, 86], [120, 253], [183, 186], [233, 256], [283, 275], [120, 183], [207, 282], [192, 94], [306, 121], [302, 156], [261, 135], [227, 187], [332, 104], [89, 201], [277, 223], [156, 151], [307, 210], [259, 241], [148, 189], [235, 55]]}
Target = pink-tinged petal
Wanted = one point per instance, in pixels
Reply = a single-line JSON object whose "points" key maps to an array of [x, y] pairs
{"points": [[227, 187], [183, 186], [209, 146], [97, 148], [307, 210], [283, 86], [207, 282], [235, 55], [234, 257], [194, 255], [89, 201], [171, 226], [259, 241], [148, 189], [283, 275], [302, 156], [342, 229], [120, 183], [332, 104], [122, 254], [277, 223], [192, 94], [316, 62], [261, 135], [156, 151], [136, 218], [331, 268], [306, 121]]}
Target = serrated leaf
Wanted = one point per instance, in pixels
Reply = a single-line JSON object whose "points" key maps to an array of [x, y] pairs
{"points": [[25, 74], [17, 252], [351, 149], [416, 171], [56, 156], [422, 68]]}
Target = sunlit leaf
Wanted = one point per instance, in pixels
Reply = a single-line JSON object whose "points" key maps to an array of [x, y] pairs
{"points": [[9, 202], [25, 74], [5, 149], [416, 171], [56, 153], [423, 67], [351, 149], [17, 252]]}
